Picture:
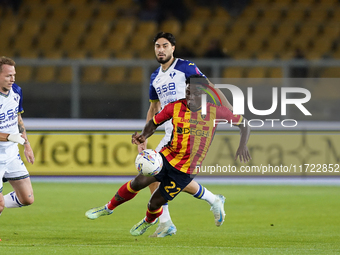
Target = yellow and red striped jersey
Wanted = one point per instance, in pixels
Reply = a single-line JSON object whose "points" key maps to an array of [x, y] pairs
{"points": [[192, 134]]}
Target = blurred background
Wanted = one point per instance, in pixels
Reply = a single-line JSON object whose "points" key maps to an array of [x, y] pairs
{"points": [[93, 58]]}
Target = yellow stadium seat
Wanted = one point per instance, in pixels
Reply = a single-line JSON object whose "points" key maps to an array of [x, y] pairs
{"points": [[146, 28], [65, 74], [115, 42], [124, 54], [318, 15], [69, 42], [249, 14], [201, 13], [172, 26], [276, 44], [9, 27], [92, 74], [147, 54], [92, 42], [60, 13], [140, 43], [230, 43], [271, 15], [77, 54], [310, 29], [23, 42], [24, 73], [266, 55], [331, 30], [76, 28], [253, 43], [47, 42], [275, 72], [216, 28], [124, 26], [193, 28], [29, 53], [101, 54], [136, 75], [287, 28], [239, 29], [39, 12], [105, 13], [115, 75], [263, 29], [233, 72], [331, 72], [257, 72], [322, 45], [54, 3], [221, 15], [31, 28], [301, 41], [45, 74], [295, 15], [53, 28], [82, 14], [54, 54], [100, 27]]}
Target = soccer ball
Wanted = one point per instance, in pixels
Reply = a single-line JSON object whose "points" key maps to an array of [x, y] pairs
{"points": [[149, 162]]}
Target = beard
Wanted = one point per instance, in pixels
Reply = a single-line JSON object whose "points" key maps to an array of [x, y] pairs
{"points": [[163, 60]]}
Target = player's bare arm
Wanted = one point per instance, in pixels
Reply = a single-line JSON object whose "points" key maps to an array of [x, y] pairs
{"points": [[148, 130], [27, 147], [242, 151], [155, 106]]}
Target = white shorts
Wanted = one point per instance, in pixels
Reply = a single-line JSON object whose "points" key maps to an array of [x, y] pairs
{"points": [[13, 169]]}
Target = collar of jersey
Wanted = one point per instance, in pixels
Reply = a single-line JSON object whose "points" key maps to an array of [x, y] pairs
{"points": [[169, 66], [2, 94]]}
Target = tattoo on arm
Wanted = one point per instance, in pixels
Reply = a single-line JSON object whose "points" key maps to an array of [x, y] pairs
{"points": [[21, 125]]}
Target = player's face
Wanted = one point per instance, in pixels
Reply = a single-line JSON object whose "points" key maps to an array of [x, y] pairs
{"points": [[7, 78], [193, 95], [164, 50]]}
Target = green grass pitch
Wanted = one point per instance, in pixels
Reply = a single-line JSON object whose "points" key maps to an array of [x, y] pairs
{"points": [[260, 220]]}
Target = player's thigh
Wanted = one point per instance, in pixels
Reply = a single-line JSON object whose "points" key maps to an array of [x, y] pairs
{"points": [[141, 181], [192, 187], [153, 186]]}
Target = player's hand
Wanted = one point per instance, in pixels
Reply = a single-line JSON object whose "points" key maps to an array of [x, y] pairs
{"points": [[29, 153], [142, 146], [243, 154], [137, 138]]}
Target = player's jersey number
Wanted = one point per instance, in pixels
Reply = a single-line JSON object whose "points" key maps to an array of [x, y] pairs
{"points": [[172, 190]]}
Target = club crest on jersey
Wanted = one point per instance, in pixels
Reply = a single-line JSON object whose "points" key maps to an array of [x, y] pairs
{"points": [[0, 106], [172, 75]]}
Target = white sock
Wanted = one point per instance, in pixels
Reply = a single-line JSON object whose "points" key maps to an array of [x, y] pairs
{"points": [[165, 216], [11, 200], [205, 194]]}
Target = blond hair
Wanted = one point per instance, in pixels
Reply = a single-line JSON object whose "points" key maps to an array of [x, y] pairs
{"points": [[6, 61]]}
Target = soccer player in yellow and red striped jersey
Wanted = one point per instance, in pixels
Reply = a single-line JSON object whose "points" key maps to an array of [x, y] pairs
{"points": [[191, 138]]}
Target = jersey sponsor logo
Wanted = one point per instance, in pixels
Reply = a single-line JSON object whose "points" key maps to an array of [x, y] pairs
{"points": [[193, 121], [192, 131]]}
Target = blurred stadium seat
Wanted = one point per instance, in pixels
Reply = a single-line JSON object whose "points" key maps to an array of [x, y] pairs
{"points": [[45, 74], [92, 74]]}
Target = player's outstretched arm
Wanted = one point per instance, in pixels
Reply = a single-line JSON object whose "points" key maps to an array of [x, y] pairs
{"points": [[27, 146], [242, 151], [155, 106], [148, 130]]}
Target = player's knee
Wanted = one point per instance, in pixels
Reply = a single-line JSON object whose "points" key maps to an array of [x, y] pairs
{"points": [[27, 200]]}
